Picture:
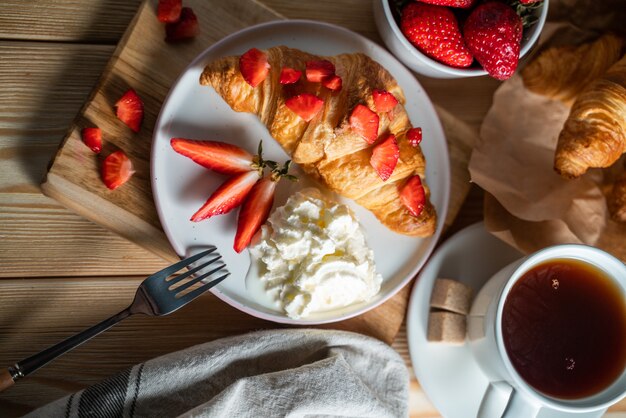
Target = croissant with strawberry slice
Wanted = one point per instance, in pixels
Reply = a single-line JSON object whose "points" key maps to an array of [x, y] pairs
{"points": [[344, 123]]}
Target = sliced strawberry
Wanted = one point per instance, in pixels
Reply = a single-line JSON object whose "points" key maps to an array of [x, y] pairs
{"points": [[129, 109], [217, 156], [384, 101], [385, 157], [305, 105], [414, 136], [168, 11], [333, 82], [289, 75], [413, 196], [183, 29], [365, 123], [254, 66], [254, 212], [316, 71], [117, 168], [92, 137], [228, 196]]}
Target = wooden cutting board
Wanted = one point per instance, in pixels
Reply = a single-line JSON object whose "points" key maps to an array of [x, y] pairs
{"points": [[145, 62]]}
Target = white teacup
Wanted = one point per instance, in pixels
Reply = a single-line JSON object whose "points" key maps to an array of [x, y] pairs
{"points": [[508, 394]]}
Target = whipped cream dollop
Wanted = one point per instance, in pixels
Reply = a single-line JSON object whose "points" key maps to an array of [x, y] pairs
{"points": [[313, 256]]}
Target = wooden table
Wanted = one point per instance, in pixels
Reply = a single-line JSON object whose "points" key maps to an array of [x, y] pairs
{"points": [[52, 261]]}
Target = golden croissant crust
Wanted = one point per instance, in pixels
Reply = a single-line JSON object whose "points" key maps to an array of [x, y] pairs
{"points": [[594, 134], [563, 72], [326, 147]]}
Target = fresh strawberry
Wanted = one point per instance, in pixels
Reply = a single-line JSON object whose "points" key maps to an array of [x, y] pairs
{"points": [[254, 66], [384, 101], [529, 1], [92, 137], [217, 156], [305, 105], [434, 30], [413, 196], [316, 71], [332, 82], [168, 11], [493, 32], [365, 123], [183, 29], [129, 109], [228, 196], [414, 136], [254, 212], [463, 4], [385, 157], [289, 75], [117, 168]]}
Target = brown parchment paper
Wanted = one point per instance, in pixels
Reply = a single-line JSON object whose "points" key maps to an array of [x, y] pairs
{"points": [[527, 203]]}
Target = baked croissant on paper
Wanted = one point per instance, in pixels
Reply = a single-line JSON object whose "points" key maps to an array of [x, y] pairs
{"points": [[327, 146], [594, 134]]}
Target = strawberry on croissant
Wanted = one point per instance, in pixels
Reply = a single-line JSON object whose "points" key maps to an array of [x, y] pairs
{"points": [[329, 122]]}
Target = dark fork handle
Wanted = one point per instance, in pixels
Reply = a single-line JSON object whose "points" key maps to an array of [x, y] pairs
{"points": [[32, 363]]}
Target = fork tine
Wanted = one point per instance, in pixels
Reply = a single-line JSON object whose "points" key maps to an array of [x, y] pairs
{"points": [[195, 280], [168, 271], [193, 270], [197, 292]]}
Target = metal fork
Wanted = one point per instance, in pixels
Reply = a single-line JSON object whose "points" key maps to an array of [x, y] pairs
{"points": [[156, 296]]}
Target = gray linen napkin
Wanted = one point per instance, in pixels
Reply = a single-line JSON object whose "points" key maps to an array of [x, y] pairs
{"points": [[279, 373]]}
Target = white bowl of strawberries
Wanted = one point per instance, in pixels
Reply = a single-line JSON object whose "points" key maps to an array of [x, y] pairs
{"points": [[460, 38]]}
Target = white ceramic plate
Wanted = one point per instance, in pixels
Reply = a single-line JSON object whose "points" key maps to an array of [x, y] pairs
{"points": [[449, 375], [180, 186]]}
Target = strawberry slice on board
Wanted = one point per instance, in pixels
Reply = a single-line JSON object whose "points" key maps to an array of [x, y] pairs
{"points": [[168, 11], [228, 196], [413, 196], [364, 122], [316, 71], [414, 136], [385, 157], [305, 105], [117, 169], [129, 109], [217, 156], [384, 101], [254, 66], [92, 137], [289, 75], [254, 212], [332, 83], [184, 29]]}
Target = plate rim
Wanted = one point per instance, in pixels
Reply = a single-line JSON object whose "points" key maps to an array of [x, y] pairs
{"points": [[445, 172]]}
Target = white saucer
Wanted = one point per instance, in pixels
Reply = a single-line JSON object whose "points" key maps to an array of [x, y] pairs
{"points": [[449, 375]]}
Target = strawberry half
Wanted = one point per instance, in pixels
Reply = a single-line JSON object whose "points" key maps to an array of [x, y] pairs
{"points": [[413, 196], [333, 82], [434, 30], [364, 122], [463, 4], [254, 212], [254, 66], [493, 32], [289, 75], [228, 196], [305, 105], [316, 71], [168, 11], [385, 157], [183, 29], [384, 101], [92, 137], [217, 156], [117, 169], [129, 109], [414, 136]]}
